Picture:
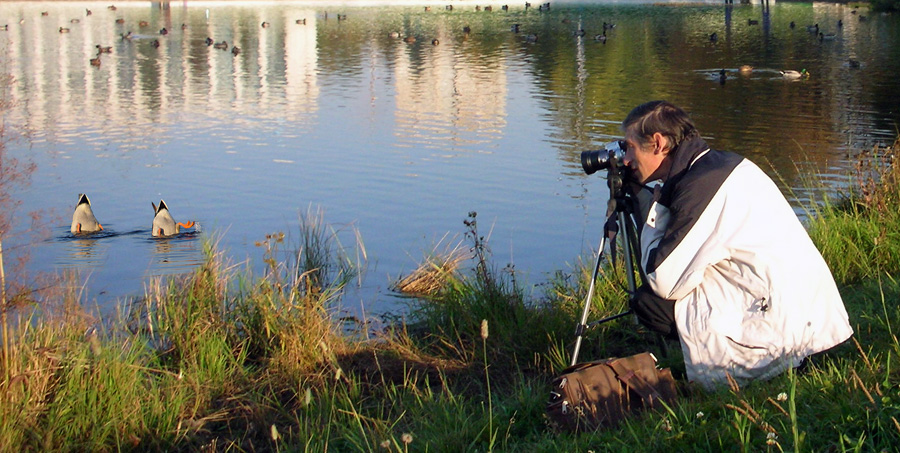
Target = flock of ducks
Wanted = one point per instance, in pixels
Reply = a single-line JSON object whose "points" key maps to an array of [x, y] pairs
{"points": [[155, 42], [85, 222], [515, 28], [791, 74]]}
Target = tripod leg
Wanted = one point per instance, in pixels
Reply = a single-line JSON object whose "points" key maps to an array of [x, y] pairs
{"points": [[579, 330]]}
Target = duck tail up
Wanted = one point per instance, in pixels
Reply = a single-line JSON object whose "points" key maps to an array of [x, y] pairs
{"points": [[186, 225]]}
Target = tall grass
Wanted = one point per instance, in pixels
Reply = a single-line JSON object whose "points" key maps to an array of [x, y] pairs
{"points": [[854, 231], [222, 360]]}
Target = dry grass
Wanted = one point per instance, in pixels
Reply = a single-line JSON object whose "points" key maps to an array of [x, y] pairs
{"points": [[432, 275]]}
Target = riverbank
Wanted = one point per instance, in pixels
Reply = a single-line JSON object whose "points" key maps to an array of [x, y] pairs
{"points": [[221, 360]]}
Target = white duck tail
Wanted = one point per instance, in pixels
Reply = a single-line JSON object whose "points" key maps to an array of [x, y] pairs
{"points": [[83, 219], [164, 224]]}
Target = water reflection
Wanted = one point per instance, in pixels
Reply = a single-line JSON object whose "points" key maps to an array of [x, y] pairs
{"points": [[404, 137], [175, 254], [83, 253]]}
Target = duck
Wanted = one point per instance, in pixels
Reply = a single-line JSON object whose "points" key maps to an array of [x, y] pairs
{"points": [[301, 21], [143, 23], [435, 42], [83, 219], [514, 28], [235, 50], [209, 41], [164, 224], [410, 39], [126, 35], [95, 61], [713, 37], [792, 74], [102, 49], [752, 22], [793, 24], [154, 43], [601, 37], [853, 63], [827, 36], [164, 31], [221, 45], [265, 25], [75, 21], [111, 7], [813, 28], [745, 69], [87, 12], [722, 77], [63, 30], [120, 21]]}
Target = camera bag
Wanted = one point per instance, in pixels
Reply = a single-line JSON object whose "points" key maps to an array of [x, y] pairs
{"points": [[592, 395]]}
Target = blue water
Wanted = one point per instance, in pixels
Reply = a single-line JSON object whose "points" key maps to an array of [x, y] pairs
{"points": [[397, 142]]}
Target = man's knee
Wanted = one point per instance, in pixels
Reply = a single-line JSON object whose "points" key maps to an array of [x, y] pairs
{"points": [[654, 312]]}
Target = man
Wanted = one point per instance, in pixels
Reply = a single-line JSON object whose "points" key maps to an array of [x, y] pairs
{"points": [[730, 269]]}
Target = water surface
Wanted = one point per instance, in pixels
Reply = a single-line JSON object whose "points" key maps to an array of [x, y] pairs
{"points": [[400, 140]]}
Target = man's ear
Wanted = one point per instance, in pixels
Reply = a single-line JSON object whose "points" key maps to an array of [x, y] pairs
{"points": [[661, 143]]}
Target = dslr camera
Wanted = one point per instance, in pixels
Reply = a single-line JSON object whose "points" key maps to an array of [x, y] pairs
{"points": [[612, 153]]}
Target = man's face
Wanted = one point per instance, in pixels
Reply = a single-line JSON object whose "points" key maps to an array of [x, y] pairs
{"points": [[647, 159]]}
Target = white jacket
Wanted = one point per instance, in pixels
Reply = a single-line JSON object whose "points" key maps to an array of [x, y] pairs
{"points": [[753, 294]]}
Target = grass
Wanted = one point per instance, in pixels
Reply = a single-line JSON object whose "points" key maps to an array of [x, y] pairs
{"points": [[223, 360]]}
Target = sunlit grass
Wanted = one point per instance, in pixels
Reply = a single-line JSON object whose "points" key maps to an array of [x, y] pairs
{"points": [[222, 360]]}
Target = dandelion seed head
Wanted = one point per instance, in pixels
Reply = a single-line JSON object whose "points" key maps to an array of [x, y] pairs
{"points": [[386, 444], [406, 438]]}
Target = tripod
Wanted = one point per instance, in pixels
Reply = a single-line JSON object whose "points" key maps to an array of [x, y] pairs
{"points": [[619, 217]]}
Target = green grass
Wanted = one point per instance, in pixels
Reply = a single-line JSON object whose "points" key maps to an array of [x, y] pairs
{"points": [[223, 360]]}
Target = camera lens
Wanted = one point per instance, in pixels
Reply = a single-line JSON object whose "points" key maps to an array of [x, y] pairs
{"points": [[601, 159], [593, 161]]}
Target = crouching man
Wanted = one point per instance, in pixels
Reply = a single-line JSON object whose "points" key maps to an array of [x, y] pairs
{"points": [[730, 269]]}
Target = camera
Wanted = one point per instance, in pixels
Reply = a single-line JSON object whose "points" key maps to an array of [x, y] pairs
{"points": [[612, 153]]}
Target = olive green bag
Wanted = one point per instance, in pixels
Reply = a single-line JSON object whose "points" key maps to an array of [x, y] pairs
{"points": [[599, 394]]}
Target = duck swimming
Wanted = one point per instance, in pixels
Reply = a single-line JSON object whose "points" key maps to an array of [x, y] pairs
{"points": [[791, 74], [83, 220], [164, 224]]}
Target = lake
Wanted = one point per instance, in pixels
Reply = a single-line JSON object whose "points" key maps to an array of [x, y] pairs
{"points": [[330, 108]]}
